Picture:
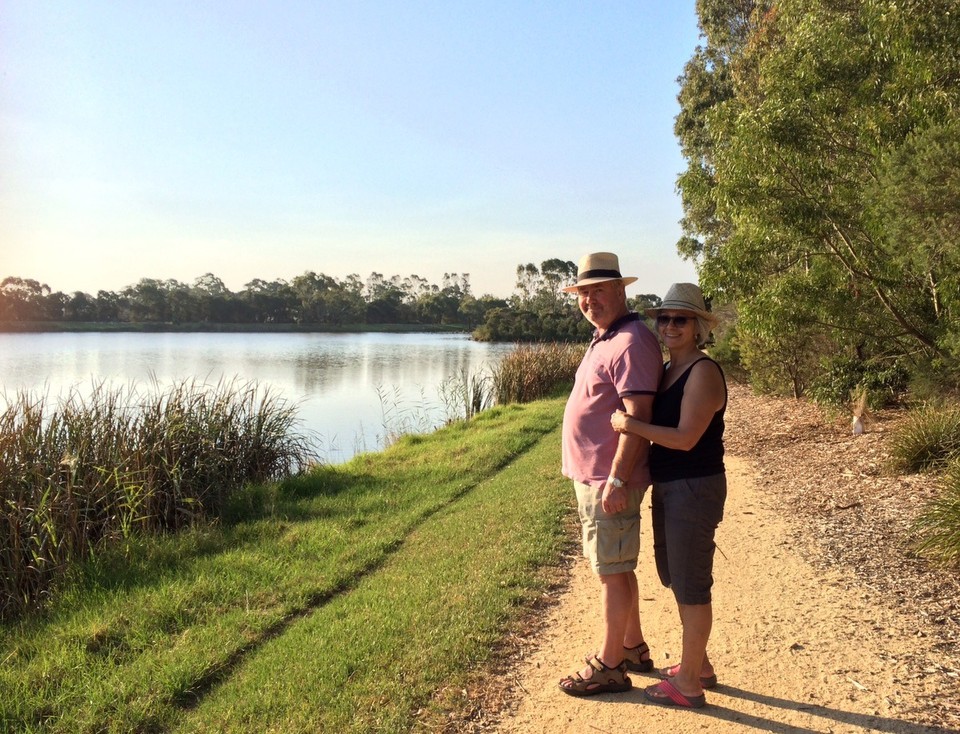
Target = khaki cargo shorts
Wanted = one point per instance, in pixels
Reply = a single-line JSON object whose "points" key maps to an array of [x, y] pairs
{"points": [[611, 542]]}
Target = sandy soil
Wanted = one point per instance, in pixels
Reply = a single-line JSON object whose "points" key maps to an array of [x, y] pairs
{"points": [[796, 650], [801, 643]]}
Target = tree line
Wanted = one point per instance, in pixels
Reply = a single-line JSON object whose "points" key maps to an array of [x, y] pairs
{"points": [[821, 196], [537, 311]]}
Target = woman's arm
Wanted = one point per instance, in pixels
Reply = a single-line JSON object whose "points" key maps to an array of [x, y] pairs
{"points": [[703, 395]]}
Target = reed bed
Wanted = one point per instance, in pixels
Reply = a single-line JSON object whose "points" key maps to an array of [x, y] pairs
{"points": [[534, 371], [83, 471]]}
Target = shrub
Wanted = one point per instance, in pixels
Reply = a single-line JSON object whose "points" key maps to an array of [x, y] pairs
{"points": [[939, 525], [928, 439], [726, 351], [842, 378]]}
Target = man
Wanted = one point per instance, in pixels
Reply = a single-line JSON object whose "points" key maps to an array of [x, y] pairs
{"points": [[622, 367]]}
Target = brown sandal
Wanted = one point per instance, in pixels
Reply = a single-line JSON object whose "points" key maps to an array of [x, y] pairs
{"points": [[633, 658], [603, 680]]}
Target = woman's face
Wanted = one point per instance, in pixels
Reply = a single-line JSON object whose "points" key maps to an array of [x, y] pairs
{"points": [[677, 328]]}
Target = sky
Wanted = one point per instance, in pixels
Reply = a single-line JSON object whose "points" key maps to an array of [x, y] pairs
{"points": [[251, 139]]}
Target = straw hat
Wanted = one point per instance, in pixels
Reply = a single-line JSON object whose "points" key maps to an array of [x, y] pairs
{"points": [[684, 297], [597, 267]]}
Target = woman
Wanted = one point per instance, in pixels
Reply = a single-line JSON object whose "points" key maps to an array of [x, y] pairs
{"points": [[689, 483]]}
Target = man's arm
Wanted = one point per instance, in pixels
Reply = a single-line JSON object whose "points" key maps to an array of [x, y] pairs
{"points": [[630, 449]]}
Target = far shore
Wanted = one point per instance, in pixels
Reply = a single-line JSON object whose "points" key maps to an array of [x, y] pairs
{"points": [[16, 327]]}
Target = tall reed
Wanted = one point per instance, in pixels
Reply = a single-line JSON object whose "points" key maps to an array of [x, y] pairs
{"points": [[88, 470], [534, 371], [465, 395]]}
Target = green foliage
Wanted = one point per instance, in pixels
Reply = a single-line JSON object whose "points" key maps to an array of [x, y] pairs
{"points": [[933, 380], [726, 351], [938, 527], [841, 379], [539, 311], [309, 299], [822, 150], [928, 439], [466, 395]]}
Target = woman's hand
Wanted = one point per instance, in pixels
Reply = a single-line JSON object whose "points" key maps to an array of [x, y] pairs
{"points": [[619, 421]]}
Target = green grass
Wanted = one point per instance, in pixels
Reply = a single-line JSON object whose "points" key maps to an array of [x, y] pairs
{"points": [[339, 600]]}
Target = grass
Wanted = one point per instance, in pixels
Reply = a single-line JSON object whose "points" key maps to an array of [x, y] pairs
{"points": [[929, 440], [338, 600]]}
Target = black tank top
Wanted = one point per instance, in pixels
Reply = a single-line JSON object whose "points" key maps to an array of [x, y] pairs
{"points": [[703, 460]]}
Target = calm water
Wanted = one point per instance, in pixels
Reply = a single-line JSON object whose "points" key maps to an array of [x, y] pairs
{"points": [[350, 389]]}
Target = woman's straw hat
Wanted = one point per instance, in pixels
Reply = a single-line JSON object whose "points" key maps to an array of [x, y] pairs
{"points": [[684, 297], [596, 268]]}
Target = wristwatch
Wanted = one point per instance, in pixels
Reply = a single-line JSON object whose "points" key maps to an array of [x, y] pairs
{"points": [[618, 483]]}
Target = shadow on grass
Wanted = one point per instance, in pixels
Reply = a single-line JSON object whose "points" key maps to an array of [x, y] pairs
{"points": [[258, 514], [191, 697]]}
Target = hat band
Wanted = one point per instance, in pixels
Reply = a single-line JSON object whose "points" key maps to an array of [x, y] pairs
{"points": [[684, 305], [599, 274]]}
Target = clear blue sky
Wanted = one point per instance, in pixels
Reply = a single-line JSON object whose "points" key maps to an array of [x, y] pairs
{"points": [[168, 139]]}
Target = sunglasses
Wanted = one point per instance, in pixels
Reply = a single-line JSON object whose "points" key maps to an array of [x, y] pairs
{"points": [[678, 321]]}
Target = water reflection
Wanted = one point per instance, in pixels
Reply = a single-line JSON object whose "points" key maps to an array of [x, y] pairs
{"points": [[348, 387]]}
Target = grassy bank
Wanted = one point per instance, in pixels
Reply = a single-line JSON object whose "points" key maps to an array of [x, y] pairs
{"points": [[337, 601]]}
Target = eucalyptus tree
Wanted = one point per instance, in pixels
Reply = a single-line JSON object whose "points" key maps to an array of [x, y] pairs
{"points": [[24, 299], [270, 302], [216, 303], [147, 301], [801, 123]]}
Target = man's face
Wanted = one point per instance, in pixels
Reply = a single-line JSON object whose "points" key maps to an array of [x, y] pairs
{"points": [[602, 303]]}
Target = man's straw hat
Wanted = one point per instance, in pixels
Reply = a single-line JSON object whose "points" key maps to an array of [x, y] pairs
{"points": [[597, 267]]}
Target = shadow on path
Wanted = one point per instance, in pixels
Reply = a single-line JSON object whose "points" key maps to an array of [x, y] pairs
{"points": [[715, 710]]}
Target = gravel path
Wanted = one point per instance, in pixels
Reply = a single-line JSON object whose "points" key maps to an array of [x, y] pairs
{"points": [[824, 622]]}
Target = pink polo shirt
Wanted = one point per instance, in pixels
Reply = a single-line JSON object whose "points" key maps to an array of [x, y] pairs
{"points": [[624, 361]]}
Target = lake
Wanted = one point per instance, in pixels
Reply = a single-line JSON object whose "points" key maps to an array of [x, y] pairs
{"points": [[351, 390]]}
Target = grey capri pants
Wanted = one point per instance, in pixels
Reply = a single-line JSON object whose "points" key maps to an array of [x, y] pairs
{"points": [[685, 516]]}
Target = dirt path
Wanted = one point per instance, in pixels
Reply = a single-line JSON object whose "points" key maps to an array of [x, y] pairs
{"points": [[797, 649]]}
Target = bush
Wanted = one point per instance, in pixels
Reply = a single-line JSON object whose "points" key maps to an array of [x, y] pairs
{"points": [[726, 351], [928, 439], [935, 380], [939, 526], [843, 378]]}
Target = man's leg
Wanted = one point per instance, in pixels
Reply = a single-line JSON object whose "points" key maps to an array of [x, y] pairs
{"points": [[617, 597], [633, 634]]}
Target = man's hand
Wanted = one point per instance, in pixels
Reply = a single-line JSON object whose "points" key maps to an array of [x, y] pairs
{"points": [[613, 499]]}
